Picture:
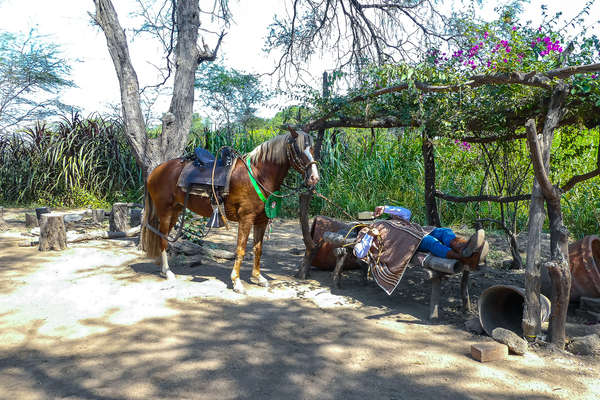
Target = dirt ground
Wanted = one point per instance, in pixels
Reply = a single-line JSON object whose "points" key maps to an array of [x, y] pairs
{"points": [[96, 321]]}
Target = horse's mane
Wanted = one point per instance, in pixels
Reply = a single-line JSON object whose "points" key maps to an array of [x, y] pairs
{"points": [[274, 150]]}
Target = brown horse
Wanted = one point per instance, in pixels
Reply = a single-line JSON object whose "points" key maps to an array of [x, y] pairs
{"points": [[270, 162]]}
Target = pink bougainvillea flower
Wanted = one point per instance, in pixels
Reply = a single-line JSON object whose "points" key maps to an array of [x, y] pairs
{"points": [[505, 60], [485, 35], [514, 28]]}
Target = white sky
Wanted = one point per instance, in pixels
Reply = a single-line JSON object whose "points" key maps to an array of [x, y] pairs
{"points": [[66, 22]]}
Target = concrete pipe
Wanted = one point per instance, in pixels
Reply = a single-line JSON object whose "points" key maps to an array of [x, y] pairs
{"points": [[502, 306]]}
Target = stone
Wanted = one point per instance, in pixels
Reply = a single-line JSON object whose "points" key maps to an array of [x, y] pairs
{"points": [[589, 304], [474, 325], [575, 330], [585, 345], [489, 351], [589, 316], [515, 343]]}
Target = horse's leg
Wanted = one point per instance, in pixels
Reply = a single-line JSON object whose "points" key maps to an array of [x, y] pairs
{"points": [[257, 278], [242, 240], [164, 228]]}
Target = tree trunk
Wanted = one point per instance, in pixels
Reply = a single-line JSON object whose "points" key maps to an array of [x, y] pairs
{"points": [[432, 215], [52, 232], [3, 225], [176, 123], [532, 326], [305, 198], [559, 272]]}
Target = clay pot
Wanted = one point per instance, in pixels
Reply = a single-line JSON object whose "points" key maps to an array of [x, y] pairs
{"points": [[584, 260], [325, 257]]}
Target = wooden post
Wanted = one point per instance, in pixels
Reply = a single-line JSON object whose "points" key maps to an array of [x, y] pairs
{"points": [[340, 254], [119, 217], [309, 255], [559, 265], [434, 302], [31, 220], [52, 232], [433, 217], [561, 285], [532, 325], [464, 291], [304, 202]]}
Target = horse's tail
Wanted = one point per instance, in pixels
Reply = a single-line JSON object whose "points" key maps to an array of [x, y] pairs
{"points": [[150, 241]]}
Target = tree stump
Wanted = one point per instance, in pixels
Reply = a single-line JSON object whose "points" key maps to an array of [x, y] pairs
{"points": [[119, 217], [3, 225], [98, 215], [136, 217], [40, 211], [31, 220], [52, 232]]}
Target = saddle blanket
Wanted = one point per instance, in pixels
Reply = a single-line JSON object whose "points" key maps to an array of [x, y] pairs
{"points": [[395, 243]]}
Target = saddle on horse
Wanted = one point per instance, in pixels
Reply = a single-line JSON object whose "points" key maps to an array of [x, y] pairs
{"points": [[204, 174]]}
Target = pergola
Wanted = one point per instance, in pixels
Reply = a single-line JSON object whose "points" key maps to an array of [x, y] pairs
{"points": [[553, 107]]}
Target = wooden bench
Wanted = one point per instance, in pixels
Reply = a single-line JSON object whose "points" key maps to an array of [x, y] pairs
{"points": [[436, 268]]}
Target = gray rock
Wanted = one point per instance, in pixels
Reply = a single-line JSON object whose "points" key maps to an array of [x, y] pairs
{"points": [[474, 325], [585, 345], [515, 344], [575, 330]]}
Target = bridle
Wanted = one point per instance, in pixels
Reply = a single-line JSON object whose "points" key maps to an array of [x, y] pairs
{"points": [[294, 156]]}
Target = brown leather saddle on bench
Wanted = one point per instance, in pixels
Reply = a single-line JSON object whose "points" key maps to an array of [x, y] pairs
{"points": [[201, 176]]}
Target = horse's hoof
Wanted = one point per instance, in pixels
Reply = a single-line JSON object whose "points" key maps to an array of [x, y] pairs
{"points": [[260, 281], [238, 286], [169, 275], [302, 275]]}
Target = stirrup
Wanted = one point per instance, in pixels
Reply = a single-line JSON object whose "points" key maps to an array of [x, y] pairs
{"points": [[216, 219]]}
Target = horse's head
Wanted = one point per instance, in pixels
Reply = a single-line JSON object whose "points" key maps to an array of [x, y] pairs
{"points": [[301, 156]]}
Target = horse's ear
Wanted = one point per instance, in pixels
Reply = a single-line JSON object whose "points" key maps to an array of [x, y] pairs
{"points": [[293, 132]]}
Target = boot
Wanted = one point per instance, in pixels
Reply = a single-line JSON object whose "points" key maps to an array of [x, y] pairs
{"points": [[457, 244], [474, 259], [467, 247]]}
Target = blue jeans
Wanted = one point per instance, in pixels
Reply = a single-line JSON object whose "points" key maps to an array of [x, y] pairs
{"points": [[438, 242]]}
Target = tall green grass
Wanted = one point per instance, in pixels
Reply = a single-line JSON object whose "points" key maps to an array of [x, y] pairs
{"points": [[78, 162]]}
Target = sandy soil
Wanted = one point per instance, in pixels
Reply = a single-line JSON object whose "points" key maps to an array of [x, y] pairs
{"points": [[96, 321]]}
